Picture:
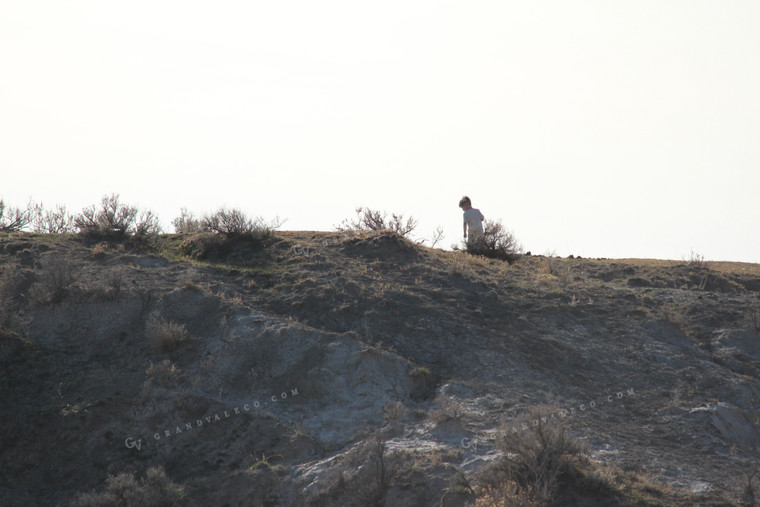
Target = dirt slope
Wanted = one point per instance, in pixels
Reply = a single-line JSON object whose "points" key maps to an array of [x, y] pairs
{"points": [[355, 369]]}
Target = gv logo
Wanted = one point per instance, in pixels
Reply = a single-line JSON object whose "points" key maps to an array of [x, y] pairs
{"points": [[303, 251], [467, 443], [131, 442]]}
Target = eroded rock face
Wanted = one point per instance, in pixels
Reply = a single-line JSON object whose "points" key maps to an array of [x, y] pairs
{"points": [[321, 371]]}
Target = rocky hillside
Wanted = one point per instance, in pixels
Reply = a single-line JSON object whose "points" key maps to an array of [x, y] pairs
{"points": [[315, 368]]}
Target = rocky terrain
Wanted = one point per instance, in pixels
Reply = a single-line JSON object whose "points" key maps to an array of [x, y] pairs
{"points": [[318, 368]]}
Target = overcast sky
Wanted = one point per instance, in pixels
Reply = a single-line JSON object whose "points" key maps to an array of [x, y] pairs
{"points": [[596, 128]]}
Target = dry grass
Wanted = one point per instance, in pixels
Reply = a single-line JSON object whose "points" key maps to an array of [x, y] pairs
{"points": [[165, 335], [448, 409], [55, 278], [165, 374], [393, 411]]}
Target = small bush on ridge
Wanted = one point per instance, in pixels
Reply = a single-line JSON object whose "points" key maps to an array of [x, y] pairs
{"points": [[496, 243], [14, 219], [186, 223], [114, 220], [55, 221], [235, 223], [372, 220]]}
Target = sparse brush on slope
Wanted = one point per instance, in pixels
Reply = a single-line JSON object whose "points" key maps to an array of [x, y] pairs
{"points": [[533, 463], [57, 275], [165, 335], [155, 490]]}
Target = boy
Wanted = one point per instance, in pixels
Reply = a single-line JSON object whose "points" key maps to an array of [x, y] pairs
{"points": [[472, 220]]}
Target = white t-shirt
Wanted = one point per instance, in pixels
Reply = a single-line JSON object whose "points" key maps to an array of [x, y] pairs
{"points": [[474, 220]]}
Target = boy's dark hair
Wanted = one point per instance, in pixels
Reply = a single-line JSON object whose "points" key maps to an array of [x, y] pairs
{"points": [[464, 200]]}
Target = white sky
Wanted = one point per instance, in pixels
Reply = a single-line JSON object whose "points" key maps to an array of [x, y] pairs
{"points": [[596, 128]]}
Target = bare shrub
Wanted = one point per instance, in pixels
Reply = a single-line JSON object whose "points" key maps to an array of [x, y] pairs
{"points": [[146, 225], [497, 242], [448, 409], [56, 276], [165, 374], [155, 489], [534, 462], [186, 222], [15, 219], [165, 335], [393, 411], [384, 470], [235, 223], [695, 259], [372, 220], [438, 236], [114, 220], [111, 286], [54, 221]]}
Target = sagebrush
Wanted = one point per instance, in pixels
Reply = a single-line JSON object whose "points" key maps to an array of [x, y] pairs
{"points": [[165, 335], [373, 220], [235, 223], [534, 462], [53, 221], [15, 219], [114, 220], [497, 242]]}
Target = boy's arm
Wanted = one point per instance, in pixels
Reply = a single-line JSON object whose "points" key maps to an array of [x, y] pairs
{"points": [[482, 217], [464, 226]]}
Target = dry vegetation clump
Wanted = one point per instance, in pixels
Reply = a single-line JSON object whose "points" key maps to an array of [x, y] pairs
{"points": [[695, 259], [496, 243], [186, 222], [459, 264], [233, 223], [393, 411], [223, 234], [165, 374], [113, 220], [424, 383], [448, 409], [165, 335], [155, 489], [112, 285], [54, 221], [534, 465], [383, 470], [55, 278], [15, 219], [372, 220]]}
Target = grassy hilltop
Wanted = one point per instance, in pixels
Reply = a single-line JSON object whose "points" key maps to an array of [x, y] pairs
{"points": [[359, 368]]}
